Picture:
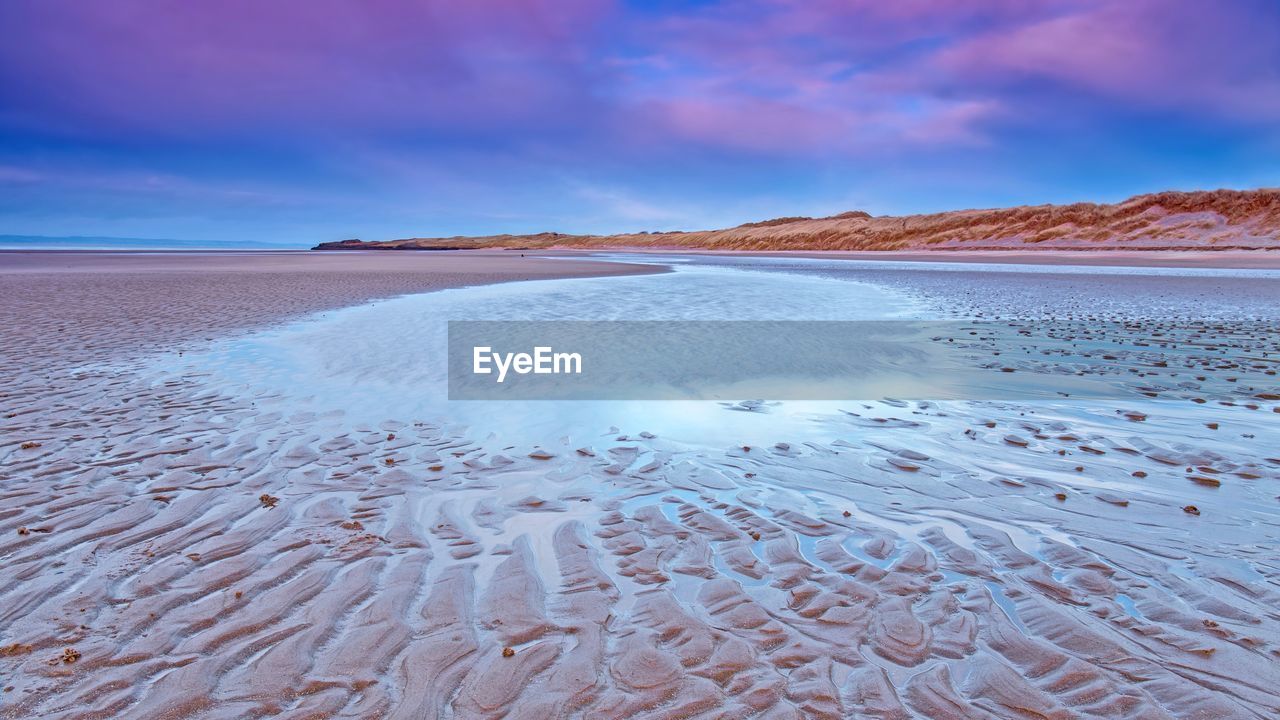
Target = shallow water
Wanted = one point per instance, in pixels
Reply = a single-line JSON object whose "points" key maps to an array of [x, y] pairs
{"points": [[388, 359], [362, 366]]}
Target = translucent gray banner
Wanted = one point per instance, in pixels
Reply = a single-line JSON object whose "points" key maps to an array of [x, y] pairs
{"points": [[784, 360]]}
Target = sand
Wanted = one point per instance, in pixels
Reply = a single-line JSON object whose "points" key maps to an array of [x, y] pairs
{"points": [[170, 549], [74, 307], [1225, 220], [1239, 259]]}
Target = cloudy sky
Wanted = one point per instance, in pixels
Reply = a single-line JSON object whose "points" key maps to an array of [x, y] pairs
{"points": [[297, 121]]}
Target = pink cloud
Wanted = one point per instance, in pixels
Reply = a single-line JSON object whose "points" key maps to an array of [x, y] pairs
{"points": [[388, 63], [776, 76], [1138, 51], [744, 122]]}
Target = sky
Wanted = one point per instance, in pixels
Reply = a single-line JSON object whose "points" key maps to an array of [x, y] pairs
{"points": [[300, 121]]}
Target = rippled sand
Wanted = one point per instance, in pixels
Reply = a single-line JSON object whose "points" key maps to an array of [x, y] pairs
{"points": [[170, 549]]}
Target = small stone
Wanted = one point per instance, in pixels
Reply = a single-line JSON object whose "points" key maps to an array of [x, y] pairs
{"points": [[1191, 510], [508, 652]]}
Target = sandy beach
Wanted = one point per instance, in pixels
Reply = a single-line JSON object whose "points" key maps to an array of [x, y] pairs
{"points": [[1258, 259], [192, 527], [68, 307]]}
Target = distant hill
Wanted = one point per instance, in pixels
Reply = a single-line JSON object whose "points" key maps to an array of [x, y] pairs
{"points": [[1199, 220]]}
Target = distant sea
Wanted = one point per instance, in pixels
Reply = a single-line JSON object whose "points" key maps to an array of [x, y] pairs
{"points": [[91, 242]]}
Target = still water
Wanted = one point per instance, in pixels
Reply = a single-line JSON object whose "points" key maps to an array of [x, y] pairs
{"points": [[387, 359]]}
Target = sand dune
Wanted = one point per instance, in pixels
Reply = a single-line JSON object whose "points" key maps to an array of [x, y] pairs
{"points": [[1206, 220]]}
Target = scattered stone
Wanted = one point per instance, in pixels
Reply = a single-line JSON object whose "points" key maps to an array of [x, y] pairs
{"points": [[1191, 510], [268, 501]]}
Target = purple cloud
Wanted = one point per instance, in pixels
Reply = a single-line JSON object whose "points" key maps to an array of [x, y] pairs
{"points": [[457, 107], [1187, 56], [230, 66]]}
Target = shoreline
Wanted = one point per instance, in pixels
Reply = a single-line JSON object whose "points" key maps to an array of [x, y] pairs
{"points": [[1083, 257], [71, 308], [1209, 259]]}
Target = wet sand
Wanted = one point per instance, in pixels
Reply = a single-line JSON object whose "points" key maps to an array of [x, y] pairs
{"points": [[1243, 259], [75, 307], [170, 549]]}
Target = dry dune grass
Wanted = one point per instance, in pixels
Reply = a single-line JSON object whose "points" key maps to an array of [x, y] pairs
{"points": [[1203, 220]]}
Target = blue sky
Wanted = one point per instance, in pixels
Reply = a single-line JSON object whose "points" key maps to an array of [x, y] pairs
{"points": [[297, 122]]}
